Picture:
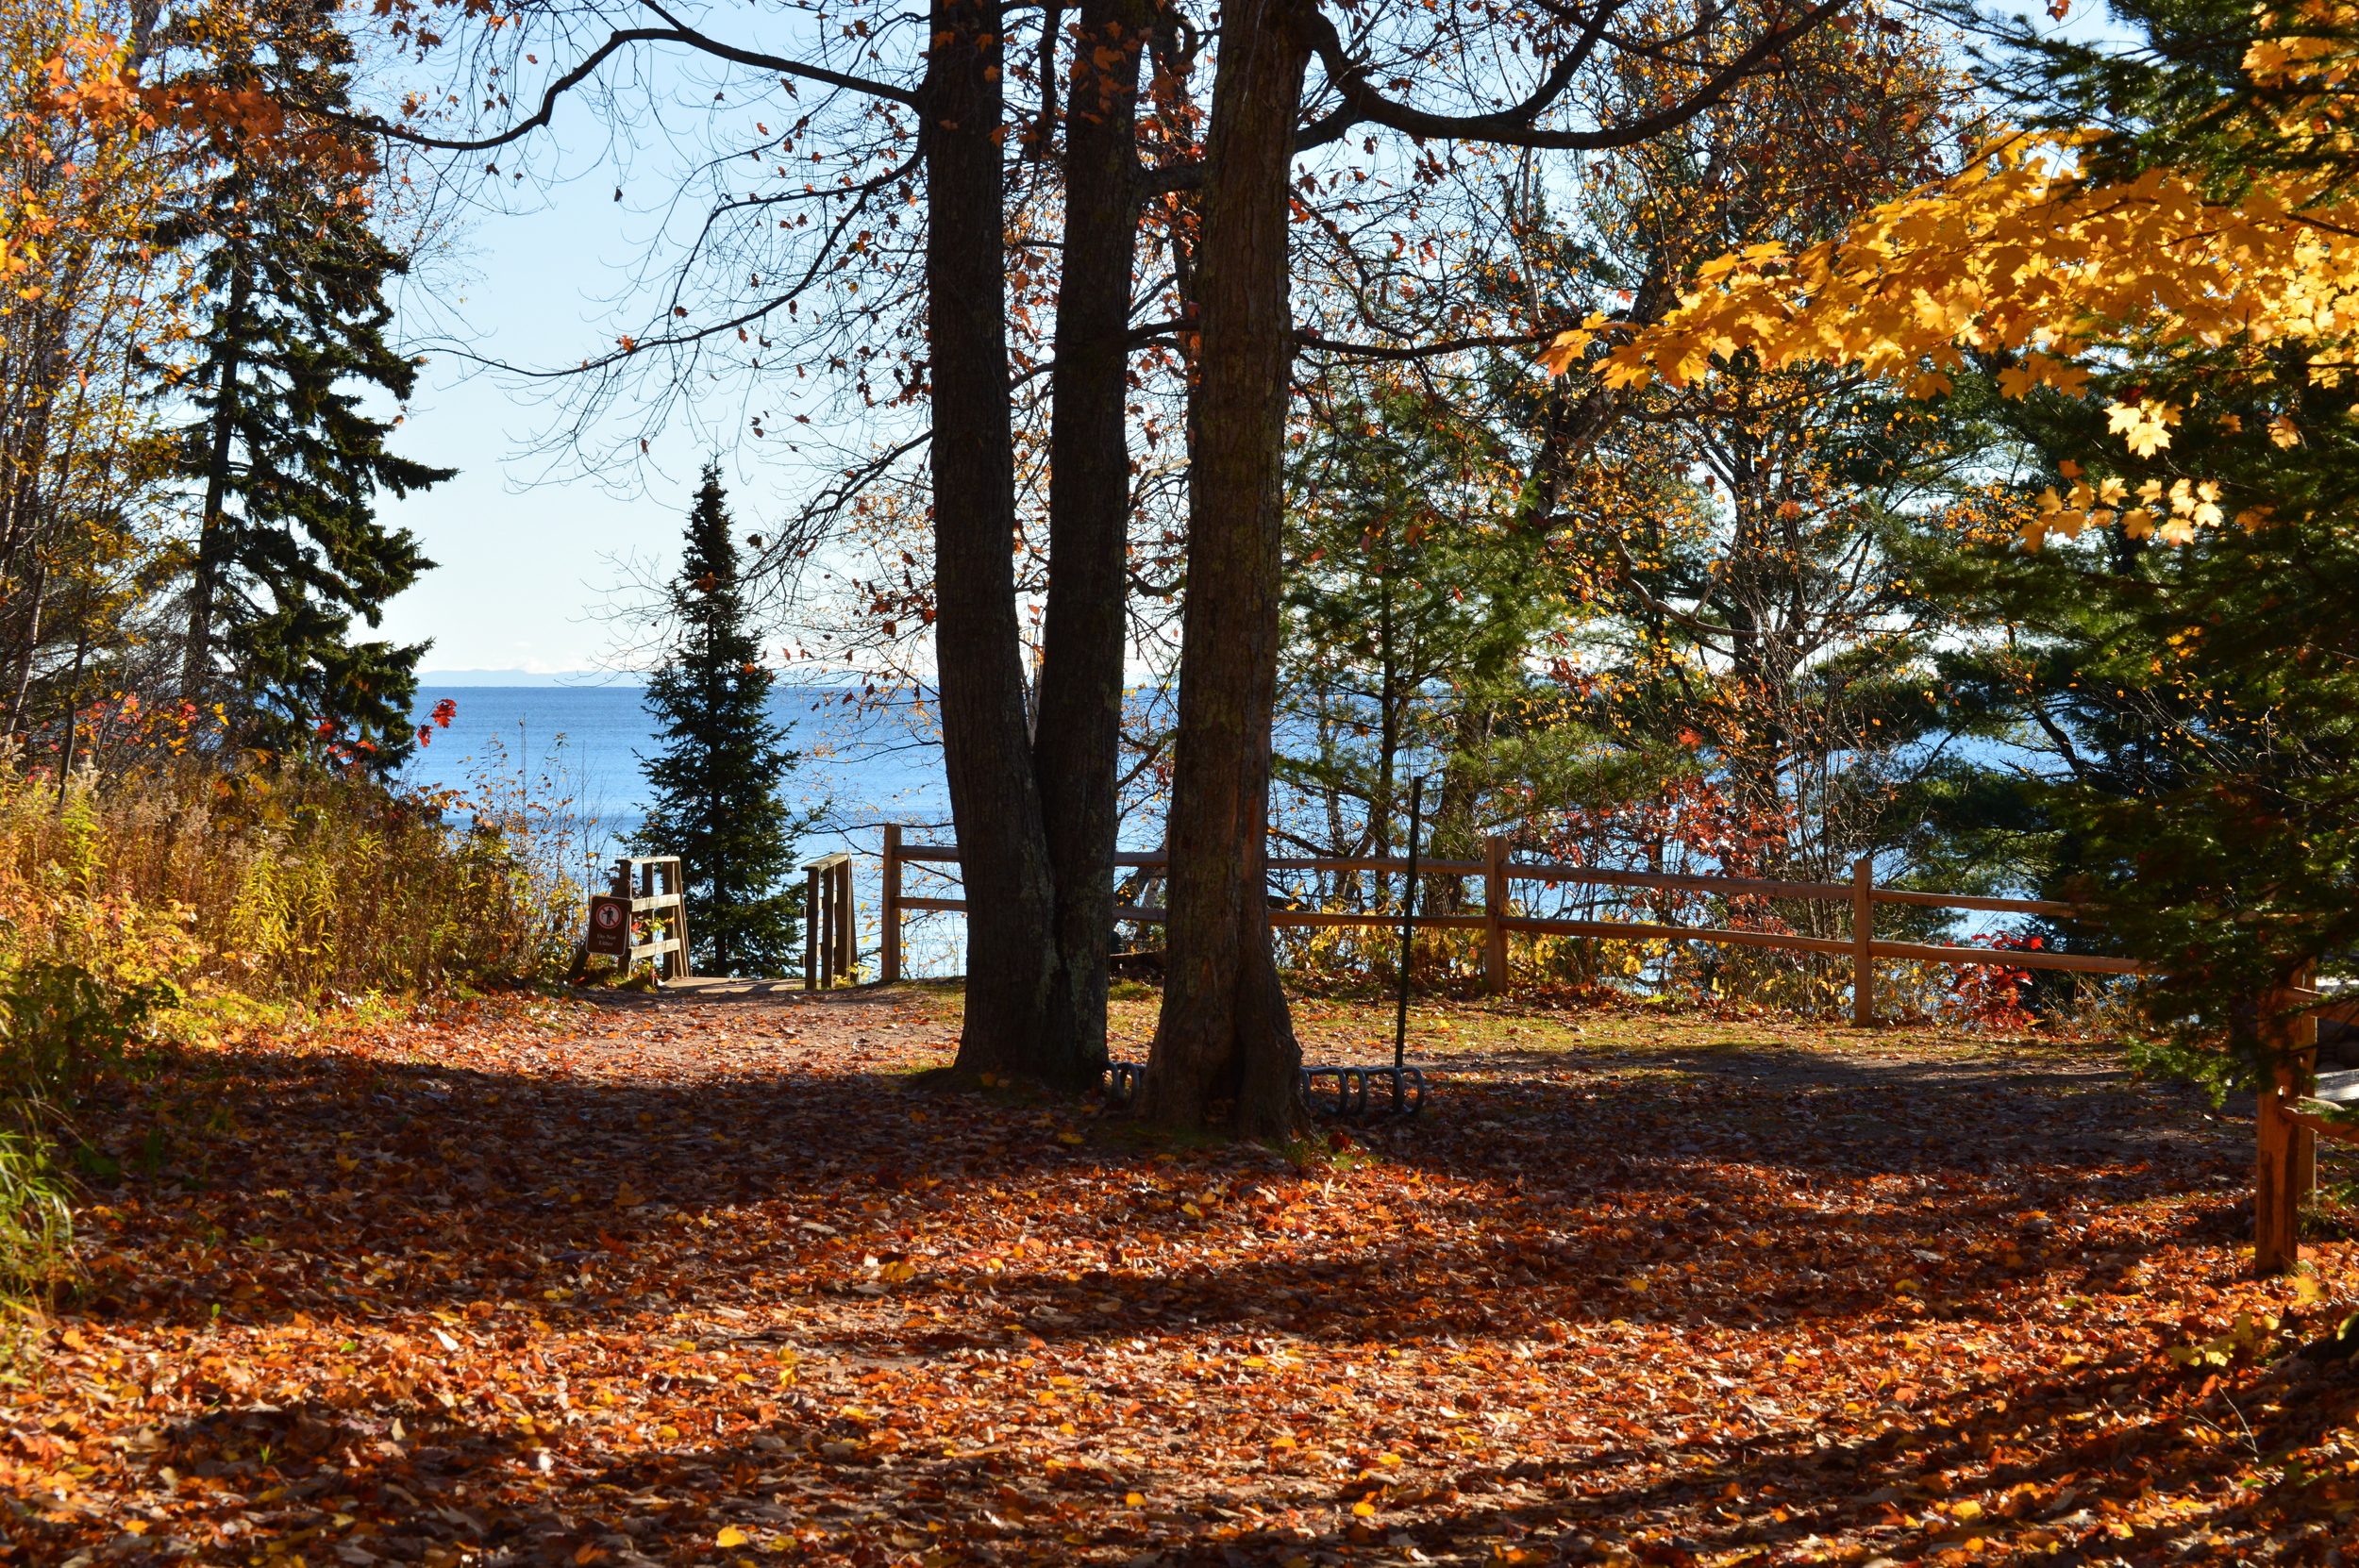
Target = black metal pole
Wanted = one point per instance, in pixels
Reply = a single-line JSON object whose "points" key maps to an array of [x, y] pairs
{"points": [[1408, 943]]}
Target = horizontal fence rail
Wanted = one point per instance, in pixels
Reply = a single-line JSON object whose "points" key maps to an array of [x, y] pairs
{"points": [[1496, 924]]}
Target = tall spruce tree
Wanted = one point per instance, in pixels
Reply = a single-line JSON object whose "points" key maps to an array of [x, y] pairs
{"points": [[293, 317], [716, 783]]}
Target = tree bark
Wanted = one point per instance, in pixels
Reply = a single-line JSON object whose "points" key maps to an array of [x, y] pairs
{"points": [[1077, 746], [1225, 1032], [986, 743]]}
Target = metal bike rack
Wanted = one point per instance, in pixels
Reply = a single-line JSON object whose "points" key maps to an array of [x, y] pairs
{"points": [[1123, 1079], [1352, 1085]]}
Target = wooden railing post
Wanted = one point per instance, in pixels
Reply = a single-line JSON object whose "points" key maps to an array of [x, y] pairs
{"points": [[812, 916], [2285, 1166], [1862, 941], [1495, 915], [831, 939], [676, 881], [888, 909], [847, 925]]}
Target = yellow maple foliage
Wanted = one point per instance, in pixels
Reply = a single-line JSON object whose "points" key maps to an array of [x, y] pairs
{"points": [[2021, 252]]}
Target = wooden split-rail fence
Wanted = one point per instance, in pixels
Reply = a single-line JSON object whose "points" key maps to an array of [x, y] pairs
{"points": [[2286, 1170], [1500, 874]]}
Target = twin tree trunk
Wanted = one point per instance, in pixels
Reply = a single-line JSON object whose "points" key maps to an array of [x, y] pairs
{"points": [[993, 796], [1079, 742], [1036, 817], [1225, 1033], [1036, 821]]}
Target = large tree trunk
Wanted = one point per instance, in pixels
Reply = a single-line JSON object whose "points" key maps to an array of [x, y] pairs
{"points": [[1225, 1032], [986, 745], [1089, 513]]}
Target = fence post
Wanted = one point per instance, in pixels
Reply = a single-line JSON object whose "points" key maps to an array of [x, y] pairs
{"points": [[2285, 1162], [675, 880], [1863, 939], [812, 914], [888, 909], [830, 943], [846, 923], [1495, 915]]}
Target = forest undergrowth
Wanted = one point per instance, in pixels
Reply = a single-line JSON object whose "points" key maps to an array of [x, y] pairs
{"points": [[166, 906], [274, 882], [700, 1278]]}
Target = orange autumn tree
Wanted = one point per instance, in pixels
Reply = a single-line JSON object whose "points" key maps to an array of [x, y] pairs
{"points": [[84, 173]]}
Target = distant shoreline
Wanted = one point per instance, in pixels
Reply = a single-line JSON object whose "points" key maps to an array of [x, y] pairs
{"points": [[531, 678]]}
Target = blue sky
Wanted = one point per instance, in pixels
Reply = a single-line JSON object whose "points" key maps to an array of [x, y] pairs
{"points": [[522, 558], [527, 550]]}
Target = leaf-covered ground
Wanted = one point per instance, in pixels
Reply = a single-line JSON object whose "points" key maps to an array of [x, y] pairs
{"points": [[704, 1281]]}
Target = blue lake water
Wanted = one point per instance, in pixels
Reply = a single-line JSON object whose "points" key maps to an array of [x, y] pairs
{"points": [[575, 751]]}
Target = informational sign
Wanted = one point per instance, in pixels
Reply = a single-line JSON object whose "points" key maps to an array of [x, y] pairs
{"points": [[609, 924]]}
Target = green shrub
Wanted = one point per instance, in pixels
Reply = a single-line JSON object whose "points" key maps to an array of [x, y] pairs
{"points": [[62, 1027], [36, 1224]]}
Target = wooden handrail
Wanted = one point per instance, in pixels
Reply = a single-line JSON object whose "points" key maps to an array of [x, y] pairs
{"points": [[634, 883], [1637, 930], [1499, 873], [1528, 871], [830, 927], [2341, 1132]]}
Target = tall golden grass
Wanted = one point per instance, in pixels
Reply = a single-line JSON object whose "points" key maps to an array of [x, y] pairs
{"points": [[276, 881]]}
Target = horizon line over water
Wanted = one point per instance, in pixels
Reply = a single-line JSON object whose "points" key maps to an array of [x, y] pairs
{"points": [[575, 750], [531, 678]]}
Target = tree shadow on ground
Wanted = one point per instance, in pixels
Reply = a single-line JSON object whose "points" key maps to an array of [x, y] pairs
{"points": [[1528, 1222]]}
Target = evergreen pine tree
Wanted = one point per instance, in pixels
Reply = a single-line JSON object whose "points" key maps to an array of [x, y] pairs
{"points": [[290, 551], [716, 801]]}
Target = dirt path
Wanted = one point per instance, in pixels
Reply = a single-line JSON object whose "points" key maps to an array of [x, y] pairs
{"points": [[696, 1279]]}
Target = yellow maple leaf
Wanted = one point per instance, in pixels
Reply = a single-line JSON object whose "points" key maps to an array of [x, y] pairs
{"points": [[1562, 351], [730, 1536]]}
